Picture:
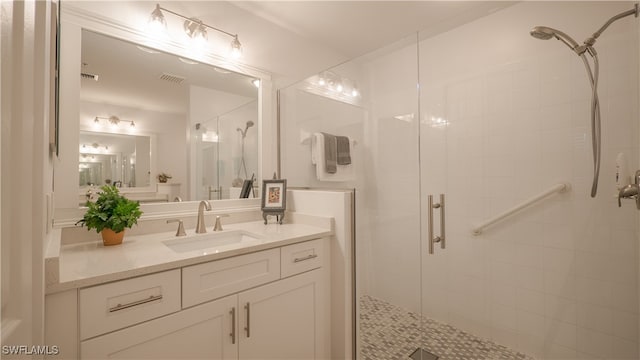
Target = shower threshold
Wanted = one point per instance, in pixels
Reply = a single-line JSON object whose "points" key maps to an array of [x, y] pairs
{"points": [[422, 354]]}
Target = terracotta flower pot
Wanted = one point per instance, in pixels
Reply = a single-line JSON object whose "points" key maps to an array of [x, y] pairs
{"points": [[109, 237]]}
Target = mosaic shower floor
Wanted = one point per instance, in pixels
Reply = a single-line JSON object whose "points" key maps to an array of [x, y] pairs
{"points": [[388, 332]]}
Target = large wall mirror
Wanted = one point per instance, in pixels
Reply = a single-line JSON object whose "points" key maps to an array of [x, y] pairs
{"points": [[144, 112]]}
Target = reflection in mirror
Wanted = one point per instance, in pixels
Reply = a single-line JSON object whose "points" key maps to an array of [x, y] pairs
{"points": [[190, 120], [226, 152], [114, 159]]}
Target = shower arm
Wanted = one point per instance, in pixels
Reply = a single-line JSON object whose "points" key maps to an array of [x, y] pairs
{"points": [[592, 39]]}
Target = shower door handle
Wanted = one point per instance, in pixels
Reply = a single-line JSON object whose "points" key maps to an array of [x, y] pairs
{"points": [[437, 239]]}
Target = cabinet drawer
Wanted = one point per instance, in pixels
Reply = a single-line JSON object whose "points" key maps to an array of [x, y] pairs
{"points": [[109, 307], [219, 278], [302, 257]]}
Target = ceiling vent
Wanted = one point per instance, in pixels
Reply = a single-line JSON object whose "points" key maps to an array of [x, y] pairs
{"points": [[89, 76], [172, 78]]}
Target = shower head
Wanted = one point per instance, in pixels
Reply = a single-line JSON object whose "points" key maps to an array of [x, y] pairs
{"points": [[249, 124], [542, 32], [546, 33]]}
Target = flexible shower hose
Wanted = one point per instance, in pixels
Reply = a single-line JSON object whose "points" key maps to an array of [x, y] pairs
{"points": [[596, 138]]}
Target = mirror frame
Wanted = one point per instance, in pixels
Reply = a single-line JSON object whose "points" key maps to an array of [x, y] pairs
{"points": [[73, 19]]}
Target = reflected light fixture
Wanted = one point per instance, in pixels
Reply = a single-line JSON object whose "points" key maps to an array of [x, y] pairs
{"points": [[157, 23], [196, 31], [334, 86], [113, 120], [194, 28]]}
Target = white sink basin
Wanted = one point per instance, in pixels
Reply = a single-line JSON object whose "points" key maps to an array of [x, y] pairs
{"points": [[210, 241]]}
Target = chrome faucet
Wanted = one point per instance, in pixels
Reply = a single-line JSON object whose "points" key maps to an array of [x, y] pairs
{"points": [[201, 228], [631, 191]]}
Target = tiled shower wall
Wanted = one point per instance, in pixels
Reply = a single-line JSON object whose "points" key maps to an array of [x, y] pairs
{"points": [[558, 280]]}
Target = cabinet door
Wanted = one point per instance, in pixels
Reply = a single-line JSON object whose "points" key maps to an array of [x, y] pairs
{"points": [[202, 332], [283, 320]]}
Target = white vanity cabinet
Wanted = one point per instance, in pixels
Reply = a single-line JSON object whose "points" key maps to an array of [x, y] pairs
{"points": [[201, 332], [270, 304], [283, 320]]}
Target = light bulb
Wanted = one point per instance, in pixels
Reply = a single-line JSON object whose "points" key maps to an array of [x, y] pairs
{"points": [[197, 32], [157, 24], [354, 92], [322, 82], [200, 37], [339, 87], [236, 48]]}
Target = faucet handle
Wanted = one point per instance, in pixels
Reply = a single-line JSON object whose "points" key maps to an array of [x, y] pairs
{"points": [[218, 225], [629, 192], [180, 231]]}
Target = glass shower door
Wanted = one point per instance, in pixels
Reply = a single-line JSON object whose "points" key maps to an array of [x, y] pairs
{"points": [[388, 214], [505, 118]]}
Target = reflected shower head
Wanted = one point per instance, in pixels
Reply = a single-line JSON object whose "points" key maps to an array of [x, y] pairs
{"points": [[244, 132], [546, 33]]}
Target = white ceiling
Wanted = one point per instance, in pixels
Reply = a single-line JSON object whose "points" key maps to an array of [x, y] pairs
{"points": [[353, 28], [343, 30]]}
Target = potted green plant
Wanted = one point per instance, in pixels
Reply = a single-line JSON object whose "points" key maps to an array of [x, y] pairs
{"points": [[111, 214], [163, 177]]}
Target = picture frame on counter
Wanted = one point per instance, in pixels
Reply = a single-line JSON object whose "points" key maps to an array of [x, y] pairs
{"points": [[274, 199]]}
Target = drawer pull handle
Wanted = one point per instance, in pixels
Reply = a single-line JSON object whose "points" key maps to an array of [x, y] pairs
{"points": [[233, 325], [247, 328], [135, 303], [312, 256]]}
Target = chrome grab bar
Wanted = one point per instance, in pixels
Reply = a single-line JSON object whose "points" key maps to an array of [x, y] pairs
{"points": [[437, 239], [312, 256], [558, 188], [135, 303]]}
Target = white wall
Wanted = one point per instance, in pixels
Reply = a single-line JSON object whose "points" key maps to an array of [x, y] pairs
{"points": [[560, 279], [339, 206]]}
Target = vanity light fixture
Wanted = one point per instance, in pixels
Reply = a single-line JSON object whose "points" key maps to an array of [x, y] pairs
{"points": [[334, 86], [113, 120], [194, 28]]}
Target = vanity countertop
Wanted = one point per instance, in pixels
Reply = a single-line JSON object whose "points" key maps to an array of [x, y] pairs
{"points": [[91, 263]]}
